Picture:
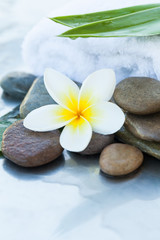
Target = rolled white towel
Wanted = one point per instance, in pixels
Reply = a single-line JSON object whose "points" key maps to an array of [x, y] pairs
{"points": [[136, 56]]}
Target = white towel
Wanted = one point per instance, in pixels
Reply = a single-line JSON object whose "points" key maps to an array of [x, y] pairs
{"points": [[136, 56]]}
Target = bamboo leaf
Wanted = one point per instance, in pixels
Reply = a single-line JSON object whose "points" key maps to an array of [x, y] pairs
{"points": [[141, 20], [83, 19]]}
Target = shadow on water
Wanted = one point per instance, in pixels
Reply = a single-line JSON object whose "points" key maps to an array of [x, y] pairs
{"points": [[34, 173], [101, 194], [110, 193]]}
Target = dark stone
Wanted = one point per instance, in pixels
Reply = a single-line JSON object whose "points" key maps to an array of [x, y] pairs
{"points": [[151, 148], [98, 143], [138, 95], [120, 159], [30, 149], [144, 127], [17, 84], [36, 97]]}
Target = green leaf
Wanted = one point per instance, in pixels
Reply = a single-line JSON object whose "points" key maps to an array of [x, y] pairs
{"points": [[7, 120], [141, 20], [83, 19]]}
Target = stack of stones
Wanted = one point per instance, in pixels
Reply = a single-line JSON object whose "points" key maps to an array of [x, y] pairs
{"points": [[27, 148], [139, 97]]}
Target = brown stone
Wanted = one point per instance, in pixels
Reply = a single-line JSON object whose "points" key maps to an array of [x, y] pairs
{"points": [[30, 149], [151, 148], [144, 127], [120, 159], [98, 143], [138, 95]]}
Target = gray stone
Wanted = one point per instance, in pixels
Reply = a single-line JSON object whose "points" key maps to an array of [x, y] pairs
{"points": [[138, 95], [98, 143], [28, 148], [144, 127], [17, 84], [120, 159], [151, 148], [36, 97]]}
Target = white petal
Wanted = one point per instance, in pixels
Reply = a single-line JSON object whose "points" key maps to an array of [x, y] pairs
{"points": [[48, 118], [98, 86], [76, 135], [105, 117], [62, 89]]}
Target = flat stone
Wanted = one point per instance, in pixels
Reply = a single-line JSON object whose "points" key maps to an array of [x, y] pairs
{"points": [[138, 95], [144, 127], [30, 149], [120, 159], [36, 97], [17, 84], [151, 148], [98, 143]]}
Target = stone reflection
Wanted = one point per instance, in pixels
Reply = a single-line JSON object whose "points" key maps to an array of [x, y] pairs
{"points": [[101, 196]]}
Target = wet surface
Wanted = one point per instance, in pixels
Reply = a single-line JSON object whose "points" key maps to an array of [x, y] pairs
{"points": [[71, 199]]}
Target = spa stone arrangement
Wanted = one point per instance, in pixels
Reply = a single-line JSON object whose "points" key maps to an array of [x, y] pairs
{"points": [[120, 153], [140, 99]]}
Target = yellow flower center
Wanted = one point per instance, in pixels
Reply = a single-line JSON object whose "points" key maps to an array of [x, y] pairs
{"points": [[76, 111]]}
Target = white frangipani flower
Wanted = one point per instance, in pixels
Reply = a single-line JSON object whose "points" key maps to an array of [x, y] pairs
{"points": [[81, 111]]}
